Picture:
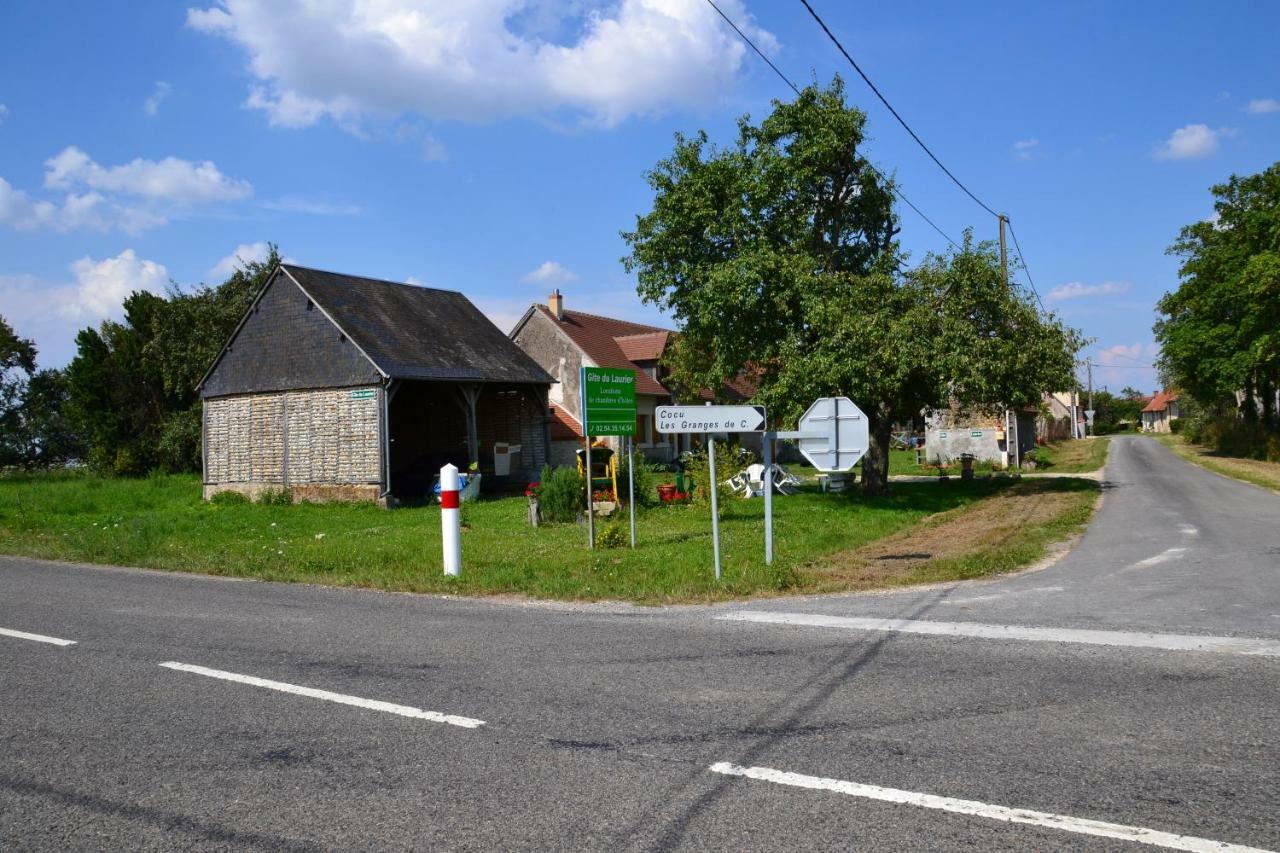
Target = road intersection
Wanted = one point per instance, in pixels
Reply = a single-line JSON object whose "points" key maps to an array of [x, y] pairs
{"points": [[1029, 712]]}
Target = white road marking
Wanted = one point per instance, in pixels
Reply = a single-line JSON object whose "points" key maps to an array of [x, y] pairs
{"points": [[993, 596], [1162, 557], [1048, 820], [1189, 530], [39, 638], [1131, 639], [340, 698]]}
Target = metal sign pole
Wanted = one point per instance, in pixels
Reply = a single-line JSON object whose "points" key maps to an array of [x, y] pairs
{"points": [[631, 485], [591, 513], [715, 506], [768, 499]]}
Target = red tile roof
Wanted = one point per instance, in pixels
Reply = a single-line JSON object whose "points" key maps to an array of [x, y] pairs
{"points": [[597, 336], [564, 426], [1161, 401], [646, 346]]}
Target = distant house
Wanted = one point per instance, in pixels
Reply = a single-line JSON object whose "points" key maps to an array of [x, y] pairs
{"points": [[336, 387], [562, 341], [1055, 421], [1160, 412]]}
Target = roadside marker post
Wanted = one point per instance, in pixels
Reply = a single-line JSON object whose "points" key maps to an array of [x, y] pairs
{"points": [[631, 485], [450, 522], [715, 506]]}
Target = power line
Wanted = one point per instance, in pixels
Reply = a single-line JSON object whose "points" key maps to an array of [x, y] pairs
{"points": [[889, 106], [1017, 248], [760, 52], [892, 185], [1126, 366]]}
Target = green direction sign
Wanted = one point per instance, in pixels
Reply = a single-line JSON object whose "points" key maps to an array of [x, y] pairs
{"points": [[364, 393], [608, 401]]}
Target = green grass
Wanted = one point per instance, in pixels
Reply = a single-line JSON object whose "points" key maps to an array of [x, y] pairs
{"points": [[160, 522], [903, 462], [1073, 456], [1257, 472]]}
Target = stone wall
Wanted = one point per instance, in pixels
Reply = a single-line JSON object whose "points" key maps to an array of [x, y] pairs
{"points": [[558, 356], [306, 441]]}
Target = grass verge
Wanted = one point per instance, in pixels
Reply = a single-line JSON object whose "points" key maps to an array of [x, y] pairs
{"points": [[1004, 532], [160, 522], [1265, 474], [1078, 456]]}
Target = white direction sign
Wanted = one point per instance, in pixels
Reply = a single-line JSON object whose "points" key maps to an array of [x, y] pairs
{"points": [[671, 419], [833, 434]]}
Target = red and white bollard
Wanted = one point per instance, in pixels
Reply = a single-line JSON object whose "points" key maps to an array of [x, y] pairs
{"points": [[450, 524]]}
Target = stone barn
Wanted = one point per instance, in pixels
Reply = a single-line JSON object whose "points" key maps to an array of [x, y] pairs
{"points": [[335, 387]]}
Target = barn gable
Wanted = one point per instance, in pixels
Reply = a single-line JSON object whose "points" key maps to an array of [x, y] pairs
{"points": [[287, 342]]}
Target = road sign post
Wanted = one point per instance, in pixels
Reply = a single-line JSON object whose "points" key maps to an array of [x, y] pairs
{"points": [[608, 408], [833, 436], [710, 420]]}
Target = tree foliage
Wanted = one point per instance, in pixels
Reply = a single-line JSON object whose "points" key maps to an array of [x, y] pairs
{"points": [[1220, 330], [778, 257], [131, 389]]}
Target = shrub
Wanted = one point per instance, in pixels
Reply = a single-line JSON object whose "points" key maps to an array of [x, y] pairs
{"points": [[1178, 426], [228, 499], [645, 485], [561, 495], [730, 459], [178, 449]]}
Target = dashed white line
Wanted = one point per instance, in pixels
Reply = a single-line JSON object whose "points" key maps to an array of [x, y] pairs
{"points": [[1048, 820], [39, 638], [340, 698], [1189, 530], [1132, 639], [1162, 557]]}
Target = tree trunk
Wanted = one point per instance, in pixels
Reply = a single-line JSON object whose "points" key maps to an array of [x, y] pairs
{"points": [[875, 465]]}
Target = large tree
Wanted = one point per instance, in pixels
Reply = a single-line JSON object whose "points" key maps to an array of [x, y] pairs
{"points": [[33, 429], [778, 256], [1220, 330], [132, 385]]}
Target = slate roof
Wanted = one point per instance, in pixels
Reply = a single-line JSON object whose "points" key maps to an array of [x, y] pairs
{"points": [[598, 338], [413, 332], [1161, 401]]}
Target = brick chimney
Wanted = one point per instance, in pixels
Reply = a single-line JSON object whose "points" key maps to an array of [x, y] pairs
{"points": [[556, 303]]}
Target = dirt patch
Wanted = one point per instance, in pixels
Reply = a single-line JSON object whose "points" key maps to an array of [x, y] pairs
{"points": [[986, 527]]}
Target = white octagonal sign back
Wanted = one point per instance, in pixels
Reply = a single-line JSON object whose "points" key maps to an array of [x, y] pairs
{"points": [[839, 434]]}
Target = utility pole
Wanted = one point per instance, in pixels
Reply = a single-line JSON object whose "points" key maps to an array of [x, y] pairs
{"points": [[1004, 255], [1088, 363]]}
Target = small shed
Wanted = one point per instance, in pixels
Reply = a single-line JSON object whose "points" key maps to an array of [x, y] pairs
{"points": [[336, 387]]}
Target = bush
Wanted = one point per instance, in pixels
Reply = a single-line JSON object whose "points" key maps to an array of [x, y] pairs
{"points": [[1178, 426], [645, 485], [561, 495], [228, 499], [730, 459]]}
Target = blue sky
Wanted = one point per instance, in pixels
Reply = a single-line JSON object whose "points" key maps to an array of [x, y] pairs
{"points": [[497, 147]]}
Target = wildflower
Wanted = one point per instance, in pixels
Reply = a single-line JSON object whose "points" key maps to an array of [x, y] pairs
{"points": [[319, 535]]}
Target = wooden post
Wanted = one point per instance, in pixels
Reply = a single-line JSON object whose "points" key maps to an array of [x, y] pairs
{"points": [[470, 396]]}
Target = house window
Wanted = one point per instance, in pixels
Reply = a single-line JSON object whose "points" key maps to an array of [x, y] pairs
{"points": [[643, 433]]}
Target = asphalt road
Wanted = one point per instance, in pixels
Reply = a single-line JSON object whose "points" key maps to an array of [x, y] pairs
{"points": [[1132, 703]]}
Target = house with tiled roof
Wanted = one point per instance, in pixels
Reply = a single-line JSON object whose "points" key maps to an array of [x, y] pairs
{"points": [[563, 341], [1158, 414]]}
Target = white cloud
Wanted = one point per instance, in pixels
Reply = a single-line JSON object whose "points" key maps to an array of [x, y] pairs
{"points": [[245, 253], [1192, 142], [1121, 365], [1079, 290], [1261, 106], [480, 61], [89, 210], [101, 286], [550, 272], [170, 179], [151, 105], [1024, 148], [414, 280], [294, 204], [4, 113]]}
